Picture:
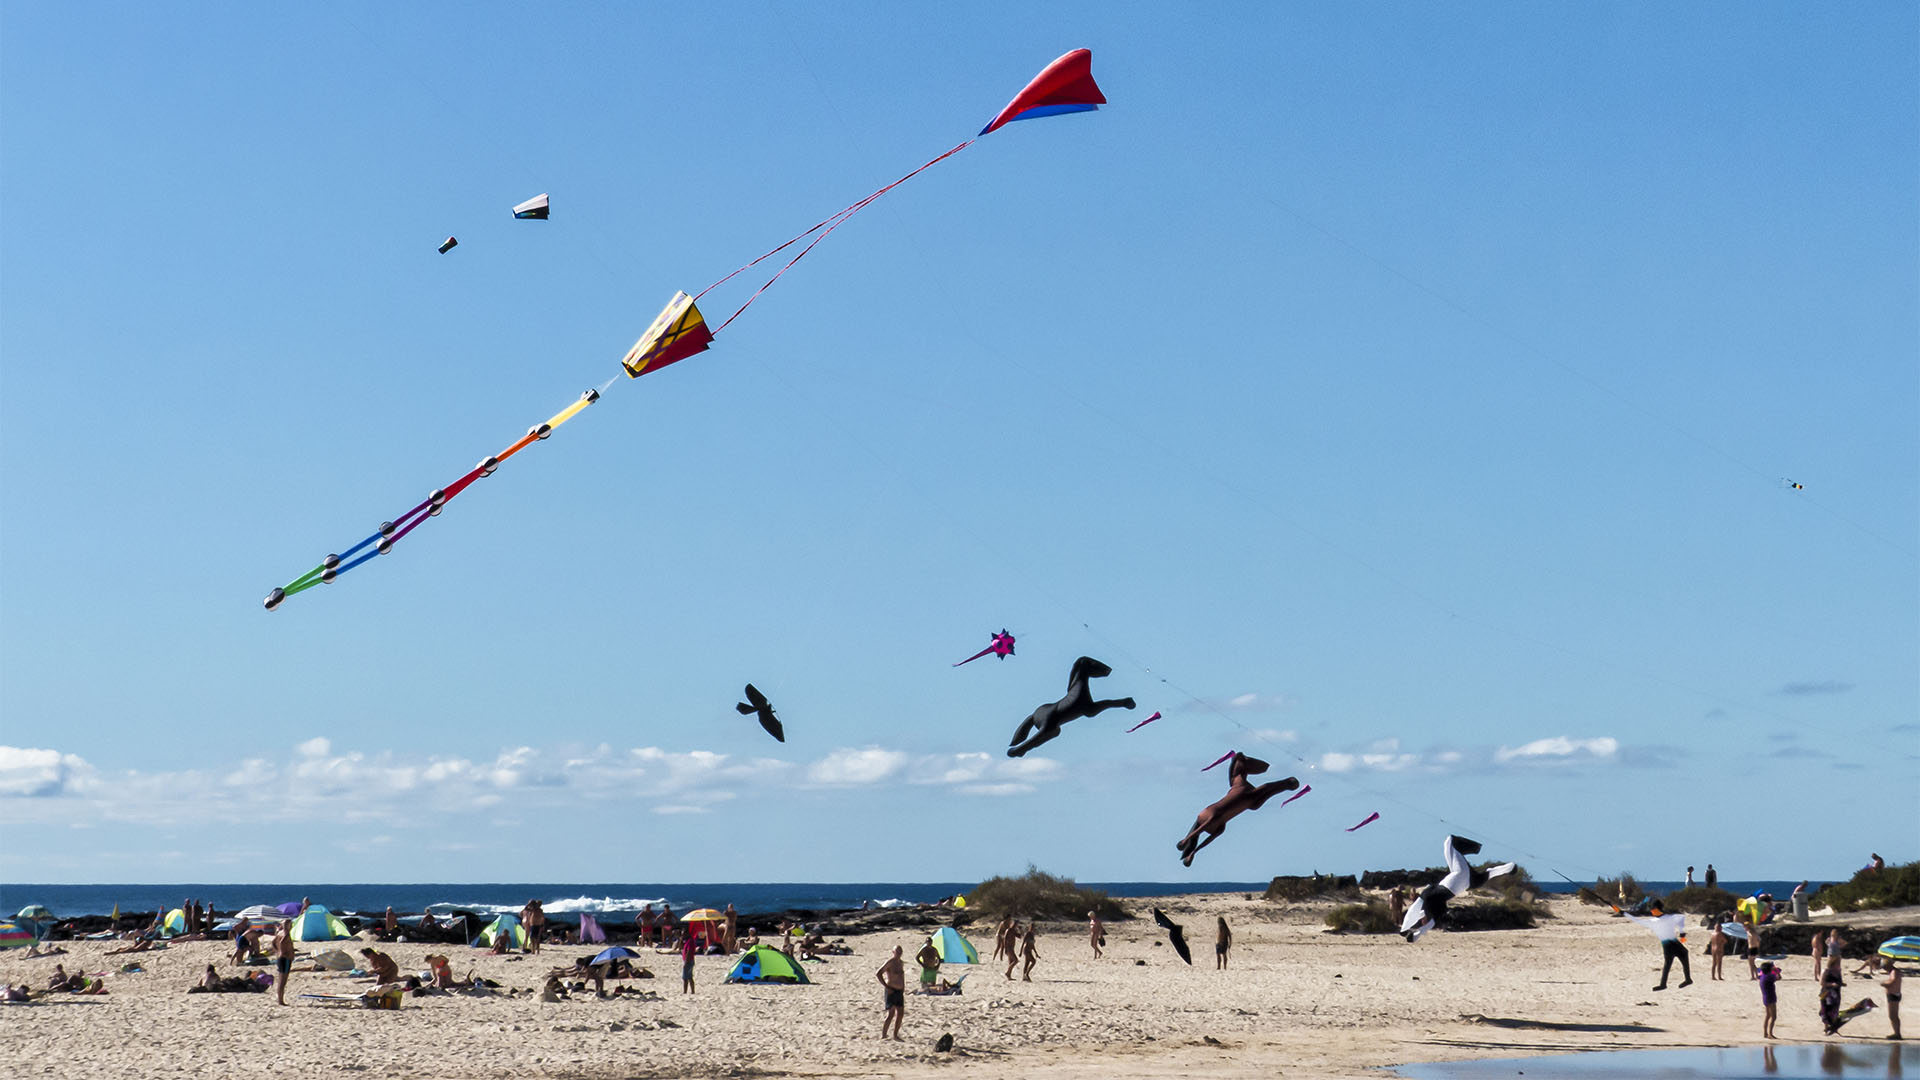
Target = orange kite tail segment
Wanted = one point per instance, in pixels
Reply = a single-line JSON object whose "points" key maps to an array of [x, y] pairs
{"points": [[1065, 86], [679, 332]]}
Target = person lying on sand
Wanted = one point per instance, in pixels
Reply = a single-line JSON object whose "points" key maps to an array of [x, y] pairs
{"points": [[142, 945]]}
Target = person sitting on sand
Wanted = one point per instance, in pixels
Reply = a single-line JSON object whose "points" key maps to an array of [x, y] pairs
{"points": [[57, 982], [384, 969], [211, 980], [752, 940]]}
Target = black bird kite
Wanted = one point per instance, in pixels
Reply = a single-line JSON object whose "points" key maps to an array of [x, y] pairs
{"points": [[758, 705], [1176, 934]]}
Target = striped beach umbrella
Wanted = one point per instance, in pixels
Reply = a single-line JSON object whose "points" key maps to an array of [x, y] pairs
{"points": [[14, 936], [1901, 948]]}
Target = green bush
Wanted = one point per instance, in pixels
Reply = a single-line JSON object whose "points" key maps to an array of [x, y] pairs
{"points": [[1317, 887], [1894, 886], [1700, 900], [1371, 917], [1037, 894], [1622, 890]]}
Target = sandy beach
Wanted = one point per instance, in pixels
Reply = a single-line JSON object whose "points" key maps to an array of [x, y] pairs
{"points": [[1295, 1001]]}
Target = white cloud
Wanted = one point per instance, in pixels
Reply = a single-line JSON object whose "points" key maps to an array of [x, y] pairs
{"points": [[34, 773], [1559, 748], [318, 746], [851, 767]]}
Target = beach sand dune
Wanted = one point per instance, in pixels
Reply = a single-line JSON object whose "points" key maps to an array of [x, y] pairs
{"points": [[1295, 1002]]}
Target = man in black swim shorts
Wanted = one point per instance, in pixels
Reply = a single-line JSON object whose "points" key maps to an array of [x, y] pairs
{"points": [[283, 958], [893, 976]]}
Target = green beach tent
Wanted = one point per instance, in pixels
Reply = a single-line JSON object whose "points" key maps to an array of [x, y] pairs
{"points": [[761, 964], [174, 924], [318, 924], [953, 948], [503, 924]]}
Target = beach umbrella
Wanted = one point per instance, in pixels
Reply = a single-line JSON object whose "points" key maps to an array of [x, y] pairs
{"points": [[608, 956], [952, 948], [15, 937], [290, 908], [705, 914], [263, 913], [1901, 948], [34, 911]]}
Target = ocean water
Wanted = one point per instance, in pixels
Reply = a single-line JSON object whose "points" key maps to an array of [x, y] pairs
{"points": [[1788, 1061], [620, 901]]}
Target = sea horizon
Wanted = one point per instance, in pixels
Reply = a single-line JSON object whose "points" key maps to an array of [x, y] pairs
{"points": [[566, 900]]}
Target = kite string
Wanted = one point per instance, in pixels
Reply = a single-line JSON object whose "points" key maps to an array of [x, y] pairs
{"points": [[829, 224]]}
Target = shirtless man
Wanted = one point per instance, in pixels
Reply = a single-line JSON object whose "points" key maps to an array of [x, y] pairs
{"points": [[384, 969], [929, 960], [535, 920], [282, 958], [1891, 984], [1096, 932], [1241, 796], [893, 977]]}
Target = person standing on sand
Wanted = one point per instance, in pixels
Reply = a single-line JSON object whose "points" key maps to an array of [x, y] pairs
{"points": [[1096, 932], [1819, 952], [1717, 949], [688, 950], [1013, 949], [1003, 939], [534, 918], [893, 976], [282, 958], [390, 922], [1891, 984], [1832, 985], [929, 960], [1769, 998], [1397, 904], [1221, 944], [1689, 877], [1028, 954], [733, 929], [646, 924]]}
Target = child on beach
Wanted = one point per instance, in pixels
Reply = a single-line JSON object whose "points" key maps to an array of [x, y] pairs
{"points": [[1769, 997], [689, 948]]}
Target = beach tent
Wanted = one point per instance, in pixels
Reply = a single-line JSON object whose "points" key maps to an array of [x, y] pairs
{"points": [[1901, 948], [503, 924], [953, 948], [14, 936], [175, 923], [590, 932], [762, 964], [319, 924]]}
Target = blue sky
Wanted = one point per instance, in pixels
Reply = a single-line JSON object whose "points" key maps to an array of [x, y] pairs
{"points": [[1403, 394]]}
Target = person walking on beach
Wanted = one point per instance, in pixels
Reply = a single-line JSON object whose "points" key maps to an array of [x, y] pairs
{"points": [[282, 958], [1891, 984], [688, 950], [1013, 949], [1769, 998], [893, 977], [1832, 985], [1096, 932], [1003, 940], [1221, 944], [1028, 954]]}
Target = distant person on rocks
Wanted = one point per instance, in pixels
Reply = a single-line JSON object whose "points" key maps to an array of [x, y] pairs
{"points": [[1877, 864], [1769, 998], [390, 923], [1713, 877], [1096, 932], [893, 977], [1689, 877], [929, 960], [1221, 944]]}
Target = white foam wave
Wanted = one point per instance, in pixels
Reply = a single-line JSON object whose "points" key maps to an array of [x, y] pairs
{"points": [[571, 905], [892, 903]]}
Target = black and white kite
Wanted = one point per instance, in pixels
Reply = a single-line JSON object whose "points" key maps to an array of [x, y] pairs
{"points": [[1429, 909], [534, 209]]}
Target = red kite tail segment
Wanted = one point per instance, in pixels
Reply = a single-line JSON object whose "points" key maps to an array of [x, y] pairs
{"points": [[1303, 791], [1147, 721], [976, 656], [1221, 758], [1370, 819], [1065, 86]]}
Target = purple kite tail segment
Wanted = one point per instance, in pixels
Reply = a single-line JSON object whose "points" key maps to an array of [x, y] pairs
{"points": [[1150, 720], [1303, 791], [1221, 758], [1001, 646], [1371, 818]]}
